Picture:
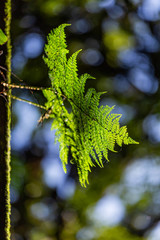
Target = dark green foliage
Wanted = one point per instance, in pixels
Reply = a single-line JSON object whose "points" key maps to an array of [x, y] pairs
{"points": [[89, 131], [117, 233]]}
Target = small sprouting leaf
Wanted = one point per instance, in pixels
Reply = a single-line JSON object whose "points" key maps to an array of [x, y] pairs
{"points": [[3, 37]]}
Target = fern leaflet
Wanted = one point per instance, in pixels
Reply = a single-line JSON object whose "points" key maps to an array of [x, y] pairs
{"points": [[89, 131]]}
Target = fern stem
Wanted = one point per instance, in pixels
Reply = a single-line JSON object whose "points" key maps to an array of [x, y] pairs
{"points": [[22, 87], [29, 102]]}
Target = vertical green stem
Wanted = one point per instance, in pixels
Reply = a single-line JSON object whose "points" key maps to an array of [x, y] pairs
{"points": [[8, 132], [5, 120]]}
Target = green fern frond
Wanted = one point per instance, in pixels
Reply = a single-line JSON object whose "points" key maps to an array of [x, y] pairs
{"points": [[89, 131]]}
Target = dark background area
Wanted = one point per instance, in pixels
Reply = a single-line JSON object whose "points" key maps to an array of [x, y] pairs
{"points": [[121, 48]]}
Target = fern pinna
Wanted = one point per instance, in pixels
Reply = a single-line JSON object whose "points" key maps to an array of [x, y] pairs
{"points": [[89, 131]]}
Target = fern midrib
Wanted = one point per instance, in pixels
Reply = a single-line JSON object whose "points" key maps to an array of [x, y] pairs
{"points": [[69, 99]]}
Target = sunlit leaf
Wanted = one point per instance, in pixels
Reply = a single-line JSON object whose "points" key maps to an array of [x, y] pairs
{"points": [[3, 37]]}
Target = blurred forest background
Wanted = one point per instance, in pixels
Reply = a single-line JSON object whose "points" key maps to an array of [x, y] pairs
{"points": [[121, 48]]}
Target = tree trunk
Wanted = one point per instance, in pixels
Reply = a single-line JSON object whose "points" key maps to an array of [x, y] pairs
{"points": [[5, 119]]}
